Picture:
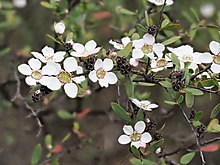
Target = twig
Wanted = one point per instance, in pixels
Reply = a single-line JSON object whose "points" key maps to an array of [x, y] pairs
{"points": [[18, 96], [201, 71]]}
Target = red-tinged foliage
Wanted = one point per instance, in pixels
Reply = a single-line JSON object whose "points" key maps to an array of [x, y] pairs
{"points": [[211, 148], [56, 149], [83, 114], [101, 15]]}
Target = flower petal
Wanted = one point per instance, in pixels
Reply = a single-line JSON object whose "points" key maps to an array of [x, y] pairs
{"points": [[35, 64], [137, 53], [78, 47], [133, 62], [30, 81], [140, 126], [149, 39], [59, 56], [54, 84], [124, 139], [39, 56], [107, 64], [59, 27], [90, 45], [128, 130], [103, 83], [70, 64], [125, 40], [51, 69], [158, 49], [92, 76], [24, 69], [204, 57], [44, 80], [215, 68], [79, 79], [47, 51], [111, 78], [214, 47], [136, 102], [98, 64], [146, 137], [136, 144], [151, 106], [71, 90]]}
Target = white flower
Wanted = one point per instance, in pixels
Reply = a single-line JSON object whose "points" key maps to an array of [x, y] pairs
{"points": [[20, 3], [137, 137], [161, 63], [120, 45], [207, 9], [33, 72], [161, 2], [85, 51], [64, 76], [146, 46], [145, 104], [59, 27], [48, 55], [215, 49], [102, 74]]}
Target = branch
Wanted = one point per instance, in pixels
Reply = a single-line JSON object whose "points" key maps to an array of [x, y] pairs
{"points": [[201, 71], [18, 96]]}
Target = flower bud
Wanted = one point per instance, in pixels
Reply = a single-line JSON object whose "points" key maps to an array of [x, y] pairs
{"points": [[20, 3], [59, 27]]}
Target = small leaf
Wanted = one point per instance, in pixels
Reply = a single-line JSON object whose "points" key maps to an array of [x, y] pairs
{"points": [[54, 39], [185, 159], [140, 115], [36, 154], [146, 17], [56, 149], [64, 114], [120, 112], [198, 116], [135, 152], [213, 126], [48, 140], [180, 99], [189, 100], [175, 60], [126, 11], [135, 161], [165, 23], [170, 102], [215, 111], [129, 87], [47, 5], [211, 148], [193, 91], [155, 145], [171, 40], [196, 123], [126, 51], [166, 84]]}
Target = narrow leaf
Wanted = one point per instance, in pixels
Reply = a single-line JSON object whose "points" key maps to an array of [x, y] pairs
{"points": [[189, 100], [215, 111], [126, 51], [185, 159], [171, 40], [36, 154], [120, 112]]}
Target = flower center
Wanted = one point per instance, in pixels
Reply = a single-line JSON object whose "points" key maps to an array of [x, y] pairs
{"points": [[147, 49], [64, 77], [49, 58], [36, 75], [162, 62], [100, 73], [135, 137], [143, 106], [216, 59], [188, 58]]}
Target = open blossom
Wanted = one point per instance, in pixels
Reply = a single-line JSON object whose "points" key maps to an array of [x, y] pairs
{"points": [[101, 73], [161, 63], [33, 72], [161, 2], [146, 46], [145, 104], [207, 9], [48, 55], [215, 49], [120, 45], [137, 137], [90, 48], [64, 77], [59, 27]]}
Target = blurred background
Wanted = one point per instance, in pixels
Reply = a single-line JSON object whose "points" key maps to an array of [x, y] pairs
{"points": [[24, 26]]}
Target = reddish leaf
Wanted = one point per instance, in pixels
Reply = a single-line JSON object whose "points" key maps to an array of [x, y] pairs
{"points": [[82, 114], [56, 149], [101, 15], [211, 148]]}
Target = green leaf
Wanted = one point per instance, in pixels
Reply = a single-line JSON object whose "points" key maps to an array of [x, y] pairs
{"points": [[36, 154], [155, 145], [189, 100], [171, 40], [198, 116], [55, 161], [166, 84], [170, 102], [185, 159], [64, 114], [165, 23], [213, 126], [140, 115], [54, 39], [126, 51], [180, 99], [193, 91], [4, 52], [48, 140], [145, 84], [120, 112], [47, 5], [196, 123], [207, 83], [129, 87], [175, 60], [126, 11], [146, 18], [215, 111], [135, 161], [135, 152]]}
